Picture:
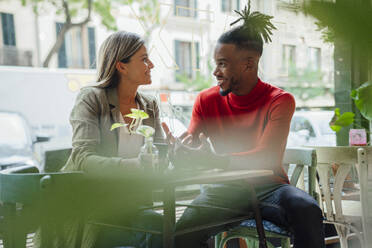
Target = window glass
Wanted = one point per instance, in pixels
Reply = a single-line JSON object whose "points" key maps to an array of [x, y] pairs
{"points": [[187, 57], [7, 24], [314, 58], [186, 8], [288, 57], [229, 5]]}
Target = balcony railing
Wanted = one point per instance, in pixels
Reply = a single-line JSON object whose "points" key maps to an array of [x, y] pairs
{"points": [[10, 55]]}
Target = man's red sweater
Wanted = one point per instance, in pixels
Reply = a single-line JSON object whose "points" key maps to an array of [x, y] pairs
{"points": [[252, 128]]}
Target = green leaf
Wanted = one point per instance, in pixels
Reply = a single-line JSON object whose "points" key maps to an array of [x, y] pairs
{"points": [[346, 119], [335, 128], [145, 130], [363, 99], [339, 121], [137, 113], [133, 116], [337, 112], [116, 125]]}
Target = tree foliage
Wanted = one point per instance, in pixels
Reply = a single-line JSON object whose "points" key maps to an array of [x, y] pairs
{"points": [[347, 20]]}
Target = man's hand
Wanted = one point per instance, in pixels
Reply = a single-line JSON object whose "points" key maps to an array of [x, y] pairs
{"points": [[183, 155]]}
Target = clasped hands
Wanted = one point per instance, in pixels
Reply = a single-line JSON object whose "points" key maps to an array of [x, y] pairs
{"points": [[183, 155]]}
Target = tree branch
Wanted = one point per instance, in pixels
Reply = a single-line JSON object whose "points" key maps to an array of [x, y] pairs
{"points": [[67, 12], [67, 26], [79, 24]]}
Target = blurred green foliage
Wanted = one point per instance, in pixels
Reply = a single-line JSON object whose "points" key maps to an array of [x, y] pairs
{"points": [[362, 97], [200, 82], [348, 20], [305, 83]]}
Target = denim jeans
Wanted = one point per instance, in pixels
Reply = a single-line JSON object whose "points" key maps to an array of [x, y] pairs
{"points": [[282, 204], [115, 237]]}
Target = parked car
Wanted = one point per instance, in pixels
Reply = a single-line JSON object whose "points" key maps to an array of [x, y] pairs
{"points": [[17, 141], [311, 128]]}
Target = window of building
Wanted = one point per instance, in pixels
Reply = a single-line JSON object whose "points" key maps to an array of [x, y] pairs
{"points": [[186, 8], [7, 25], [75, 51], [187, 58], [288, 57], [92, 47], [314, 58], [229, 5]]}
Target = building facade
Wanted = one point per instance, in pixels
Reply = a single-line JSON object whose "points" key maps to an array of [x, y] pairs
{"points": [[181, 45]]}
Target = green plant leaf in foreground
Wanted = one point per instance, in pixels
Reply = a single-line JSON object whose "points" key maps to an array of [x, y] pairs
{"points": [[146, 131], [363, 99], [137, 114], [339, 121], [116, 125]]}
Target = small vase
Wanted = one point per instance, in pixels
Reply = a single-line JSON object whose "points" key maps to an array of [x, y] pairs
{"points": [[149, 155]]}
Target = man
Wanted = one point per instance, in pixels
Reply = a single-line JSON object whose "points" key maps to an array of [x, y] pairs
{"points": [[247, 121]]}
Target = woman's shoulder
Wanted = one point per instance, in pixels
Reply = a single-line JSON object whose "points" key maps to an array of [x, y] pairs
{"points": [[91, 90], [91, 93]]}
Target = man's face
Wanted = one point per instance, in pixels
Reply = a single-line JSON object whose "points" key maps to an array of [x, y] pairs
{"points": [[233, 66]]}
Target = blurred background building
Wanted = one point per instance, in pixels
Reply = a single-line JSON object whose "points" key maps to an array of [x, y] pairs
{"points": [[180, 37]]}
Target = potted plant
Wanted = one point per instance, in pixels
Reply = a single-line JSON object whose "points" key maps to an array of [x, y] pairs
{"points": [[149, 154], [362, 97]]}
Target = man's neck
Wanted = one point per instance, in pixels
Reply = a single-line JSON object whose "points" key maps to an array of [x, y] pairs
{"points": [[248, 85]]}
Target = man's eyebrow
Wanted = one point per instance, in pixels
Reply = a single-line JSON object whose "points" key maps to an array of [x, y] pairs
{"points": [[221, 59], [144, 55]]}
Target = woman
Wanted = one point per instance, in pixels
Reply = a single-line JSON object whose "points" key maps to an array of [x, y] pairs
{"points": [[123, 65]]}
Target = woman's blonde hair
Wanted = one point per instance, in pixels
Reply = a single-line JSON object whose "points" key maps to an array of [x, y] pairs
{"points": [[119, 46]]}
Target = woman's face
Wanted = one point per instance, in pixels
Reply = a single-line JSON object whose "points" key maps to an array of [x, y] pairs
{"points": [[139, 67]]}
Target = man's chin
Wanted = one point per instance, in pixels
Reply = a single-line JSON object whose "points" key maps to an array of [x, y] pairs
{"points": [[224, 92]]}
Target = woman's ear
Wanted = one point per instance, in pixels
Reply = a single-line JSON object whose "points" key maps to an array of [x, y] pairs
{"points": [[121, 67]]}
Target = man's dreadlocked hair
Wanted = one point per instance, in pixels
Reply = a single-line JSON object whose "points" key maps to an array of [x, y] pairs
{"points": [[252, 33]]}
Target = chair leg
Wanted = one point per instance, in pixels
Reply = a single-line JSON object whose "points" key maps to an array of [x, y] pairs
{"points": [[342, 233], [217, 240], [14, 235], [286, 242]]}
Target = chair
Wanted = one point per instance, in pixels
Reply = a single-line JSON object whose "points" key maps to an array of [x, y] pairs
{"points": [[365, 182], [350, 217], [247, 229], [31, 200]]}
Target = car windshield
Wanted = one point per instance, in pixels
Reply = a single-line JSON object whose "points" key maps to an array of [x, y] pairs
{"points": [[12, 131]]}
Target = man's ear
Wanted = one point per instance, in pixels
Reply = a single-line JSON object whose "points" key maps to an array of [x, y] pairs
{"points": [[121, 67], [251, 63]]}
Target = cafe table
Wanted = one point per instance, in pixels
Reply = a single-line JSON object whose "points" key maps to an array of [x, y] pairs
{"points": [[209, 177], [46, 196]]}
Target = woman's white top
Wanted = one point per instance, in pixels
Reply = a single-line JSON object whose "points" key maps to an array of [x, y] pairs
{"points": [[129, 143]]}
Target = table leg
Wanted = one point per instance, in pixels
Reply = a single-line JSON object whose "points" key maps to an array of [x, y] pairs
{"points": [[169, 217], [258, 218]]}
